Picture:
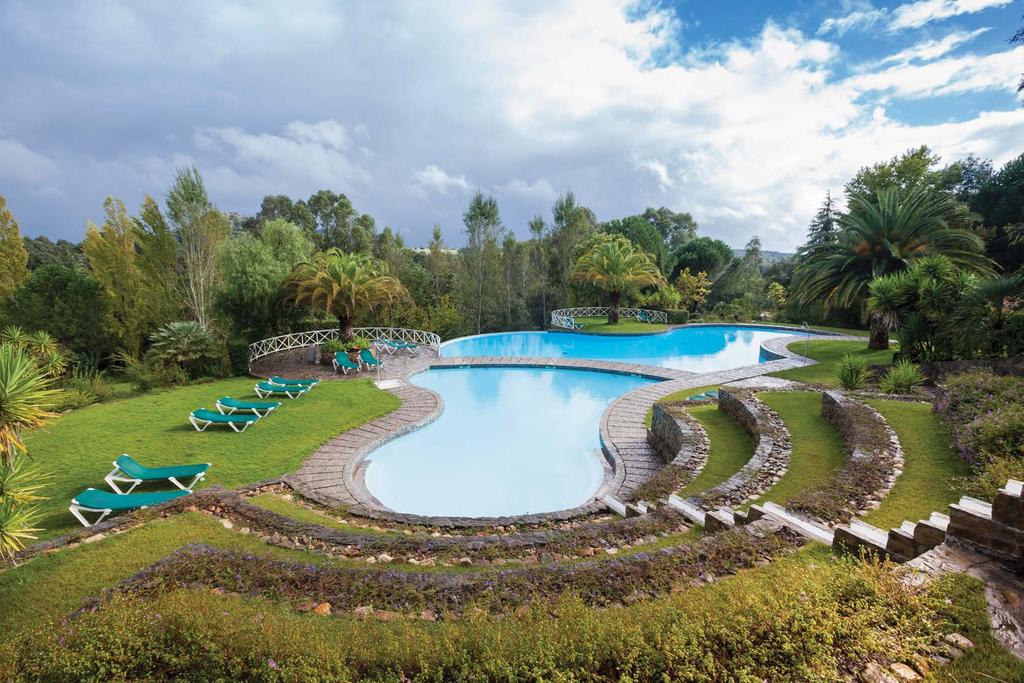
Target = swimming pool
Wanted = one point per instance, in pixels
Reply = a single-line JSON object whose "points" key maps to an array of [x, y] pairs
{"points": [[695, 349], [510, 441]]}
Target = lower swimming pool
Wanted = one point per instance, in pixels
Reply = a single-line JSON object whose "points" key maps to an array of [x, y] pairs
{"points": [[510, 441], [695, 349]]}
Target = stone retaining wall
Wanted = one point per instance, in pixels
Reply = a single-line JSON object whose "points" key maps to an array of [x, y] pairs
{"points": [[772, 449], [677, 438]]}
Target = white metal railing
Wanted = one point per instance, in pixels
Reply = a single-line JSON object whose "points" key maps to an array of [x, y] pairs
{"points": [[296, 340], [566, 317]]}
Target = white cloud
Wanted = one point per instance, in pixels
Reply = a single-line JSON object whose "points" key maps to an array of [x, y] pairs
{"points": [[530, 100], [436, 179], [933, 49], [18, 162], [917, 14], [538, 190], [906, 16]]}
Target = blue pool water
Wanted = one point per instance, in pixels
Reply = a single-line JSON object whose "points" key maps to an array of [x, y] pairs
{"points": [[510, 441], [696, 349]]}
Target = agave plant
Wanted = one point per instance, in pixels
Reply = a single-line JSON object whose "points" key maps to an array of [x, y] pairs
{"points": [[17, 525], [20, 482], [41, 343], [14, 335], [26, 399], [53, 363]]}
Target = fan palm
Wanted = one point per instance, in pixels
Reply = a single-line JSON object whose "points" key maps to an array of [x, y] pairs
{"points": [[884, 233], [614, 266], [344, 285]]}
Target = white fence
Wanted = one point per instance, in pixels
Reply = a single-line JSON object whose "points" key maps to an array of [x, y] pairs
{"points": [[566, 317], [296, 340]]}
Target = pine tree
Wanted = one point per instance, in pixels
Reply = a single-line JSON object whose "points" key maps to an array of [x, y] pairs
{"points": [[824, 228], [13, 255]]}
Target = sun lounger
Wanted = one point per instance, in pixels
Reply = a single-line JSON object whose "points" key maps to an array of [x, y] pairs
{"points": [[284, 381], [103, 502], [229, 406], [205, 417], [392, 345], [264, 389], [127, 470], [367, 358], [341, 360]]}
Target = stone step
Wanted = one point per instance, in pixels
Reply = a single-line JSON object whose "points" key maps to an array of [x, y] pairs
{"points": [[869, 532], [973, 506], [688, 509], [616, 505], [719, 520], [1014, 487], [939, 520], [800, 526]]}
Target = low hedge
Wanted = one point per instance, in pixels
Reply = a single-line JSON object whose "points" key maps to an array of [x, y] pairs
{"points": [[808, 618]]}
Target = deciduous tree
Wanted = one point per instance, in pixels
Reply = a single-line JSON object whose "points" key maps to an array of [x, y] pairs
{"points": [[13, 255]]}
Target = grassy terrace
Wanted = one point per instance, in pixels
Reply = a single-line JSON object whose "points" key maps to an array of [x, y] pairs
{"points": [[817, 446], [828, 353], [624, 326], [731, 448], [78, 448], [930, 465]]}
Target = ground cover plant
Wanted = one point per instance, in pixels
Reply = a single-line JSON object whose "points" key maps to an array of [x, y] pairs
{"points": [[78, 448], [806, 617]]}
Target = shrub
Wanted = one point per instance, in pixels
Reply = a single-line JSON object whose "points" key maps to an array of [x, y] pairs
{"points": [[677, 316], [852, 371], [149, 373], [902, 378], [89, 383], [331, 347], [238, 355], [188, 345], [817, 622], [359, 343], [969, 394], [990, 476], [996, 433]]}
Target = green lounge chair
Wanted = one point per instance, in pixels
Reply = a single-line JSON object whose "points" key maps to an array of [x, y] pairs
{"points": [[129, 471], [284, 381], [392, 345], [229, 406], [264, 389], [103, 503], [209, 417], [341, 360], [367, 358]]}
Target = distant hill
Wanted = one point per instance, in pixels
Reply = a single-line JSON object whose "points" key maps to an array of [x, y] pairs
{"points": [[770, 257]]}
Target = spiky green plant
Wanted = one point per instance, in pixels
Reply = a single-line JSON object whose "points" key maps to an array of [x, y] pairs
{"points": [[21, 482], [41, 343], [13, 335], [17, 526], [26, 399], [186, 344], [852, 371], [902, 377]]}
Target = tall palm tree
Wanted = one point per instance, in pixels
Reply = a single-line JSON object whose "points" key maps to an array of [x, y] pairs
{"points": [[25, 401], [345, 285], [615, 265], [884, 233]]}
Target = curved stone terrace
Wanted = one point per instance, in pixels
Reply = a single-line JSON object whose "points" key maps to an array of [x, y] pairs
{"points": [[333, 475]]}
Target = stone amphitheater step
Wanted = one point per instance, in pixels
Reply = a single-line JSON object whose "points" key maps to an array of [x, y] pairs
{"points": [[688, 509], [801, 526]]}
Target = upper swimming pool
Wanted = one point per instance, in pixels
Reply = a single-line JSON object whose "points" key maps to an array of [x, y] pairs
{"points": [[695, 349]]}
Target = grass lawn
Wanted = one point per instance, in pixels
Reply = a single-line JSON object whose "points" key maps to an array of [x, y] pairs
{"points": [[817, 446], [679, 396], [78, 448], [930, 464], [828, 353], [625, 325], [301, 513], [51, 586], [731, 448]]}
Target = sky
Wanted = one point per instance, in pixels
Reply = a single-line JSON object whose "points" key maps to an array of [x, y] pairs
{"points": [[743, 114]]}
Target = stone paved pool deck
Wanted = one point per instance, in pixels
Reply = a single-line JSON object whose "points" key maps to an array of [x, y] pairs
{"points": [[333, 474]]}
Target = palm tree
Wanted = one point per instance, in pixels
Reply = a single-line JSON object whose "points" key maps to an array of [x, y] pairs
{"points": [[345, 285], [25, 400], [615, 265], [885, 233]]}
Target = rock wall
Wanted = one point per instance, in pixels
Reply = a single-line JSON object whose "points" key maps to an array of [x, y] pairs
{"points": [[772, 449]]}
